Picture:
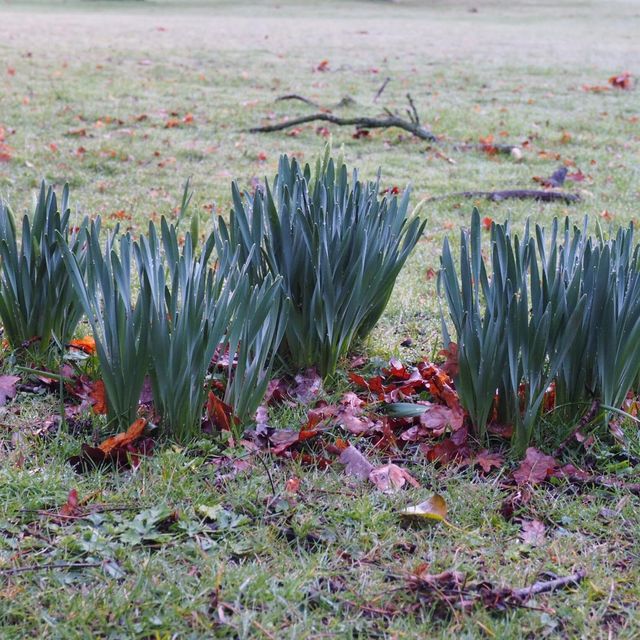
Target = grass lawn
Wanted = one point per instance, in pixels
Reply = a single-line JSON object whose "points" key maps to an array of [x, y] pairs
{"points": [[125, 100]]}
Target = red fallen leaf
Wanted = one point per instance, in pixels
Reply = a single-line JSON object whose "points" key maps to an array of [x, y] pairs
{"points": [[86, 344], [576, 176], [188, 119], [219, 413], [120, 441], [488, 460], [535, 468], [262, 156], [70, 508], [397, 370], [323, 66], [487, 145], [440, 385], [450, 366], [443, 452], [501, 430], [323, 131], [7, 388], [6, 152], [430, 273], [533, 532], [295, 132], [549, 400], [621, 81], [98, 397], [487, 222], [361, 133], [373, 385], [53, 147], [387, 440], [11, 71], [607, 215], [319, 413], [172, 123]]}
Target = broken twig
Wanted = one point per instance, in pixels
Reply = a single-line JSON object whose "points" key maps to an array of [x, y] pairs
{"points": [[381, 89], [545, 586], [295, 96]]}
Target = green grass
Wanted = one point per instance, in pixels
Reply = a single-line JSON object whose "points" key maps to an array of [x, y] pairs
{"points": [[307, 566]]}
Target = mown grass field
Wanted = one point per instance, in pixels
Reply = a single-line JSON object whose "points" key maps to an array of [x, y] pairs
{"points": [[127, 100]]}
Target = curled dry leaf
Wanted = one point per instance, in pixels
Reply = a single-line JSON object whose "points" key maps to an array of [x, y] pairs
{"points": [[121, 440], [122, 450], [435, 508], [390, 477]]}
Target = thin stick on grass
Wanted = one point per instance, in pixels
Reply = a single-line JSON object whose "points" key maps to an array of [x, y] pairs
{"points": [[50, 567], [545, 586]]}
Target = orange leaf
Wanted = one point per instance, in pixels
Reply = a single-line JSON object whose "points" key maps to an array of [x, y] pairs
{"points": [[86, 344], [323, 66], [123, 439], [98, 398], [70, 508]]}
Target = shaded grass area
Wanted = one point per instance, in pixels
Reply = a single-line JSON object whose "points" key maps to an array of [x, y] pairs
{"points": [[330, 560], [185, 547]]}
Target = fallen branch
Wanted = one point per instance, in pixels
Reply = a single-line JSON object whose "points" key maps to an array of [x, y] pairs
{"points": [[360, 123], [514, 194], [545, 586]]}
